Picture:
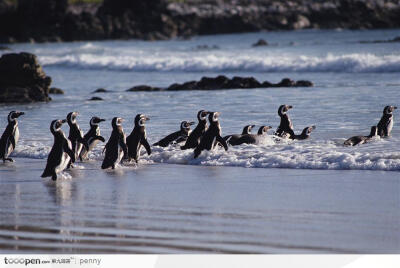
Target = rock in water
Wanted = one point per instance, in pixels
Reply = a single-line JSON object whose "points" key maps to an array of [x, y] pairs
{"points": [[22, 79], [55, 90], [260, 43]]}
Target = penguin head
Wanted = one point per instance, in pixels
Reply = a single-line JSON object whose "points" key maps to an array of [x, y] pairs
{"points": [[55, 125], [389, 109], [202, 115], [283, 109], [71, 117], [263, 129], [95, 121], [374, 131], [213, 117], [116, 122], [140, 120], [307, 131], [247, 129], [13, 115], [185, 125]]}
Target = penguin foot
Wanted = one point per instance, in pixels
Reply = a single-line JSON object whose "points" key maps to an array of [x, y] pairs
{"points": [[8, 159], [54, 177]]}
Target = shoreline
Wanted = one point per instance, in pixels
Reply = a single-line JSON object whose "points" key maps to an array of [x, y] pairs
{"points": [[162, 20]]}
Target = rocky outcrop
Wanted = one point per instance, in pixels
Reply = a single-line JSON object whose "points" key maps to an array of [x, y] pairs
{"points": [[223, 82], [22, 79], [55, 20]]}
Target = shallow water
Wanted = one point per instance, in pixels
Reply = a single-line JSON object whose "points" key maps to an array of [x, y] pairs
{"points": [[353, 82], [162, 208]]}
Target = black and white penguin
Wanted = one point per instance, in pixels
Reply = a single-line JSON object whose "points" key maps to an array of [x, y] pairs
{"points": [[253, 138], [385, 125], [75, 135], [211, 136], [10, 136], [137, 138], [195, 136], [61, 153], [285, 127], [92, 137], [232, 139], [362, 139], [176, 137], [305, 134], [116, 147]]}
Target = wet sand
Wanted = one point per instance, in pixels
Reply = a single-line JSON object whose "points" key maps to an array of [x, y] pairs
{"points": [[166, 208]]}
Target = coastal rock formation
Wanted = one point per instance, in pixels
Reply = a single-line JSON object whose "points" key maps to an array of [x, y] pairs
{"points": [[22, 79], [223, 82], [54, 90], [57, 20]]}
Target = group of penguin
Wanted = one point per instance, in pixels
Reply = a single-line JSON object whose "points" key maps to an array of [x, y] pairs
{"points": [[65, 151]]}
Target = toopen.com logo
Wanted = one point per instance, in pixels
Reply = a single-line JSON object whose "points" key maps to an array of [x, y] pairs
{"points": [[24, 261]]}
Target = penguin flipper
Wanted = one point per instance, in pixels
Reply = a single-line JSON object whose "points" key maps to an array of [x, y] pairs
{"points": [[69, 152], [123, 146], [100, 138], [12, 140], [146, 145], [222, 141]]}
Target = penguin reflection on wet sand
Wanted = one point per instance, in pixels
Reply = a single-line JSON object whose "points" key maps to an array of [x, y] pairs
{"points": [[116, 147], [286, 126], [10, 137], [75, 135], [212, 136], [92, 137], [198, 132], [137, 138], [362, 139], [232, 139], [253, 138], [385, 125], [61, 153], [176, 137]]}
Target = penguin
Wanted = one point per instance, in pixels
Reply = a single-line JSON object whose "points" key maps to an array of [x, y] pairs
{"points": [[305, 134], [362, 139], [211, 136], [385, 125], [92, 137], [116, 147], [75, 135], [194, 138], [137, 138], [231, 139], [176, 137], [253, 138], [10, 137], [286, 126], [61, 153]]}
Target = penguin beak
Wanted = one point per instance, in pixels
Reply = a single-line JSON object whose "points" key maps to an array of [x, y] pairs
{"points": [[191, 123], [102, 120], [289, 107], [313, 127], [19, 114], [63, 121], [394, 107], [252, 126], [146, 118]]}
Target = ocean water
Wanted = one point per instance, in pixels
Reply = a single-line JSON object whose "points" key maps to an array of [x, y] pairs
{"points": [[353, 83]]}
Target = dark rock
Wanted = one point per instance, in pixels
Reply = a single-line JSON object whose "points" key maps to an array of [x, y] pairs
{"points": [[143, 88], [304, 83], [286, 82], [22, 79], [260, 43], [100, 90], [95, 99], [244, 82], [54, 90]]}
